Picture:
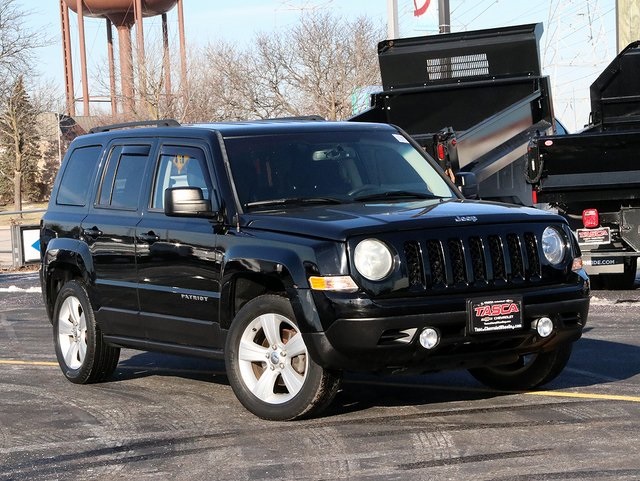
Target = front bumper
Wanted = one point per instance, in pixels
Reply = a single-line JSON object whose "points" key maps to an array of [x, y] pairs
{"points": [[383, 336]]}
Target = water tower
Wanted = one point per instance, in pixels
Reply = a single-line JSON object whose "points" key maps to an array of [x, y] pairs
{"points": [[123, 14]]}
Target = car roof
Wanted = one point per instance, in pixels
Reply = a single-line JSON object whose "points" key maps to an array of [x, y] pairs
{"points": [[261, 127], [242, 128]]}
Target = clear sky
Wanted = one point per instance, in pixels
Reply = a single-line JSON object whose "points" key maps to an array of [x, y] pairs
{"points": [[579, 38]]}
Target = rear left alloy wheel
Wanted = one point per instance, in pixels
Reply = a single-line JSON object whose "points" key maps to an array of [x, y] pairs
{"points": [[82, 354], [268, 363]]}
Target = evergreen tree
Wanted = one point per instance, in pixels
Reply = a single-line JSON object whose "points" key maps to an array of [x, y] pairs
{"points": [[19, 146]]}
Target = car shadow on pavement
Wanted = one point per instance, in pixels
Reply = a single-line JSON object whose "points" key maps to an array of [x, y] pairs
{"points": [[145, 364], [598, 361], [593, 362]]}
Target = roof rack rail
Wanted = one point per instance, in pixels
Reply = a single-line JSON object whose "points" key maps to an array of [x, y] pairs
{"points": [[297, 117], [141, 123]]}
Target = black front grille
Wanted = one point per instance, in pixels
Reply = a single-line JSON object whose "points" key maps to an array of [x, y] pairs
{"points": [[456, 255], [435, 258], [515, 256], [497, 259], [478, 259], [531, 246], [414, 263]]}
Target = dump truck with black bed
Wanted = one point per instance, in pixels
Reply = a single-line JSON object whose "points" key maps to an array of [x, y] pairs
{"points": [[591, 177]]}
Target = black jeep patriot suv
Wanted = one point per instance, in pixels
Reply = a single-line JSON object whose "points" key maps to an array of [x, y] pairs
{"points": [[296, 250]]}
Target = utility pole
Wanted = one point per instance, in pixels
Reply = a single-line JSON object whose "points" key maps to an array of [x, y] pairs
{"points": [[392, 19], [627, 23], [444, 16]]}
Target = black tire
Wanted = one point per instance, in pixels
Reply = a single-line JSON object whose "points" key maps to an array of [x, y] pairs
{"points": [[278, 384], [527, 373], [83, 355], [623, 281]]}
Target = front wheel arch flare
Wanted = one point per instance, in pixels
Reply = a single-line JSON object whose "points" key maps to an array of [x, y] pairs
{"points": [[272, 276]]}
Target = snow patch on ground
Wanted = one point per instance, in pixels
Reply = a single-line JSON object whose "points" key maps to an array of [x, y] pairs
{"points": [[20, 289]]}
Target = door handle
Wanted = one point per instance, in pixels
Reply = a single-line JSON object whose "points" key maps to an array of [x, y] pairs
{"points": [[92, 233], [149, 237]]}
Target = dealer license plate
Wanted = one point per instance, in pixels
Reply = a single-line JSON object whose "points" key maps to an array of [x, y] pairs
{"points": [[601, 235], [495, 314]]}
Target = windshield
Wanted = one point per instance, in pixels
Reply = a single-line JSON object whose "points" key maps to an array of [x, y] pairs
{"points": [[331, 167]]}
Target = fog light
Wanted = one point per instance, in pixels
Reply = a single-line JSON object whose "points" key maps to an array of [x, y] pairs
{"points": [[544, 326], [429, 338]]}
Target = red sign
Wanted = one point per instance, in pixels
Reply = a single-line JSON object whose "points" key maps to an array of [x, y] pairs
{"points": [[496, 310], [422, 9]]}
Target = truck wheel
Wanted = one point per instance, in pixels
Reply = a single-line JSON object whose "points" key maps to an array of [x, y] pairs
{"points": [[528, 372], [268, 364], [623, 281], [83, 355]]}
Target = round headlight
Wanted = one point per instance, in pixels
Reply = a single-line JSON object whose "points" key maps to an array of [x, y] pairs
{"points": [[553, 245], [373, 259]]}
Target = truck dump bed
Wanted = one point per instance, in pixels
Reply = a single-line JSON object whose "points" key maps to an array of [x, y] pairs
{"points": [[485, 86]]}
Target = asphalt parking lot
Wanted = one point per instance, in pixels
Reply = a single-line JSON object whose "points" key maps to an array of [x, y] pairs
{"points": [[167, 417]]}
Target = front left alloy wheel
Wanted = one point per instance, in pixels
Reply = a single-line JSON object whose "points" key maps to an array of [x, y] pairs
{"points": [[268, 364]]}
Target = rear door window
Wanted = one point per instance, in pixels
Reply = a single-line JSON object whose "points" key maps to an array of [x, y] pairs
{"points": [[77, 176], [123, 178]]}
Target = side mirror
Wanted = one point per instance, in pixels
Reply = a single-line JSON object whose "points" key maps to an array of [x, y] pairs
{"points": [[186, 202], [468, 185]]}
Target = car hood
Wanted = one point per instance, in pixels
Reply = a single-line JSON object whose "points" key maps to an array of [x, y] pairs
{"points": [[339, 222]]}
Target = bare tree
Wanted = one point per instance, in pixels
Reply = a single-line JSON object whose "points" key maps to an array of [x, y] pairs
{"points": [[317, 65], [313, 68], [17, 44]]}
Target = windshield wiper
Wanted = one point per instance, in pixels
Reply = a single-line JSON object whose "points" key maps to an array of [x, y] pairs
{"points": [[397, 194], [294, 201]]}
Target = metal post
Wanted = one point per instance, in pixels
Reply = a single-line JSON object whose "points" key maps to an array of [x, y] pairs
{"points": [[444, 16], [126, 67], [83, 58], [627, 27], [59, 135], [165, 56], [140, 57], [392, 19], [183, 48], [112, 74], [66, 52]]}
